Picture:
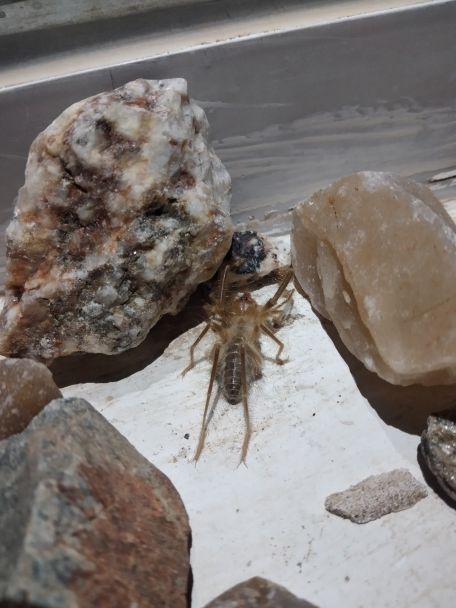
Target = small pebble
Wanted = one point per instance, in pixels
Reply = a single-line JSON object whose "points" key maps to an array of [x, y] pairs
{"points": [[25, 388], [377, 496]]}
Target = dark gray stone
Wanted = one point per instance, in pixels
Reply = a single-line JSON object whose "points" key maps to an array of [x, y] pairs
{"points": [[85, 520], [26, 386]]}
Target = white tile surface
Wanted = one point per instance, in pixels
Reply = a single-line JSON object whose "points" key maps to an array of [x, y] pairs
{"points": [[313, 434]]}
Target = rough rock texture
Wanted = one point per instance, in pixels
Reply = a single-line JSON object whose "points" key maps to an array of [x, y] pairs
{"points": [[377, 496], [252, 256], [438, 446], [85, 520], [377, 255], [258, 592], [25, 388], [125, 209]]}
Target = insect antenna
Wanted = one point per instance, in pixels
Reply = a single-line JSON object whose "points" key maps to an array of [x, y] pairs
{"points": [[245, 404], [202, 437]]}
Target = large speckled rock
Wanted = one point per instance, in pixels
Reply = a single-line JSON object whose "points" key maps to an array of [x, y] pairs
{"points": [[124, 211], [377, 255], [85, 520], [258, 592], [377, 496]]}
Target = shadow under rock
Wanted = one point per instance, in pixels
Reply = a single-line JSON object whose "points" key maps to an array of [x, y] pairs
{"points": [[404, 407], [83, 368], [432, 481], [89, 367]]}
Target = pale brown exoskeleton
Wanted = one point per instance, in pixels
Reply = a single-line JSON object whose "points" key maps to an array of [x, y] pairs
{"points": [[236, 355]]}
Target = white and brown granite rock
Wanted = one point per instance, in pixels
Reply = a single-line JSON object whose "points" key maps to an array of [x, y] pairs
{"points": [[258, 592], [25, 388], [376, 253], [124, 211], [85, 520]]}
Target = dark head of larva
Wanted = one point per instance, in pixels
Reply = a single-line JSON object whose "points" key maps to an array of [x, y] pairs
{"points": [[247, 252]]}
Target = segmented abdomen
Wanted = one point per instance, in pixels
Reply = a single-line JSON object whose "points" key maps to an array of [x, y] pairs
{"points": [[231, 380]]}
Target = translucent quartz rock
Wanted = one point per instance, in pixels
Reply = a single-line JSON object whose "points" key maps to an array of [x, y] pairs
{"points": [[124, 211], [377, 255], [85, 520], [25, 388]]}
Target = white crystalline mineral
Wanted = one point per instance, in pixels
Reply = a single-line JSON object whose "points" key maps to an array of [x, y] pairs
{"points": [[125, 209], [377, 255]]}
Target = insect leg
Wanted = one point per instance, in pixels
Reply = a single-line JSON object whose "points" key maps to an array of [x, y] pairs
{"points": [[209, 326], [246, 406], [283, 285], [287, 299], [199, 449], [277, 313], [269, 333]]}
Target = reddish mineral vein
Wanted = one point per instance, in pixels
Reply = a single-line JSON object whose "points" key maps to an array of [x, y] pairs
{"points": [[132, 544]]}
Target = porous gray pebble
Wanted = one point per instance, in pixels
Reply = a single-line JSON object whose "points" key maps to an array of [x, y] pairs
{"points": [[377, 496], [25, 388]]}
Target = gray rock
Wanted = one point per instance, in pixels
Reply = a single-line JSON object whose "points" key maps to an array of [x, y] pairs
{"points": [[377, 496], [258, 592], [85, 520], [438, 446], [124, 211]]}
